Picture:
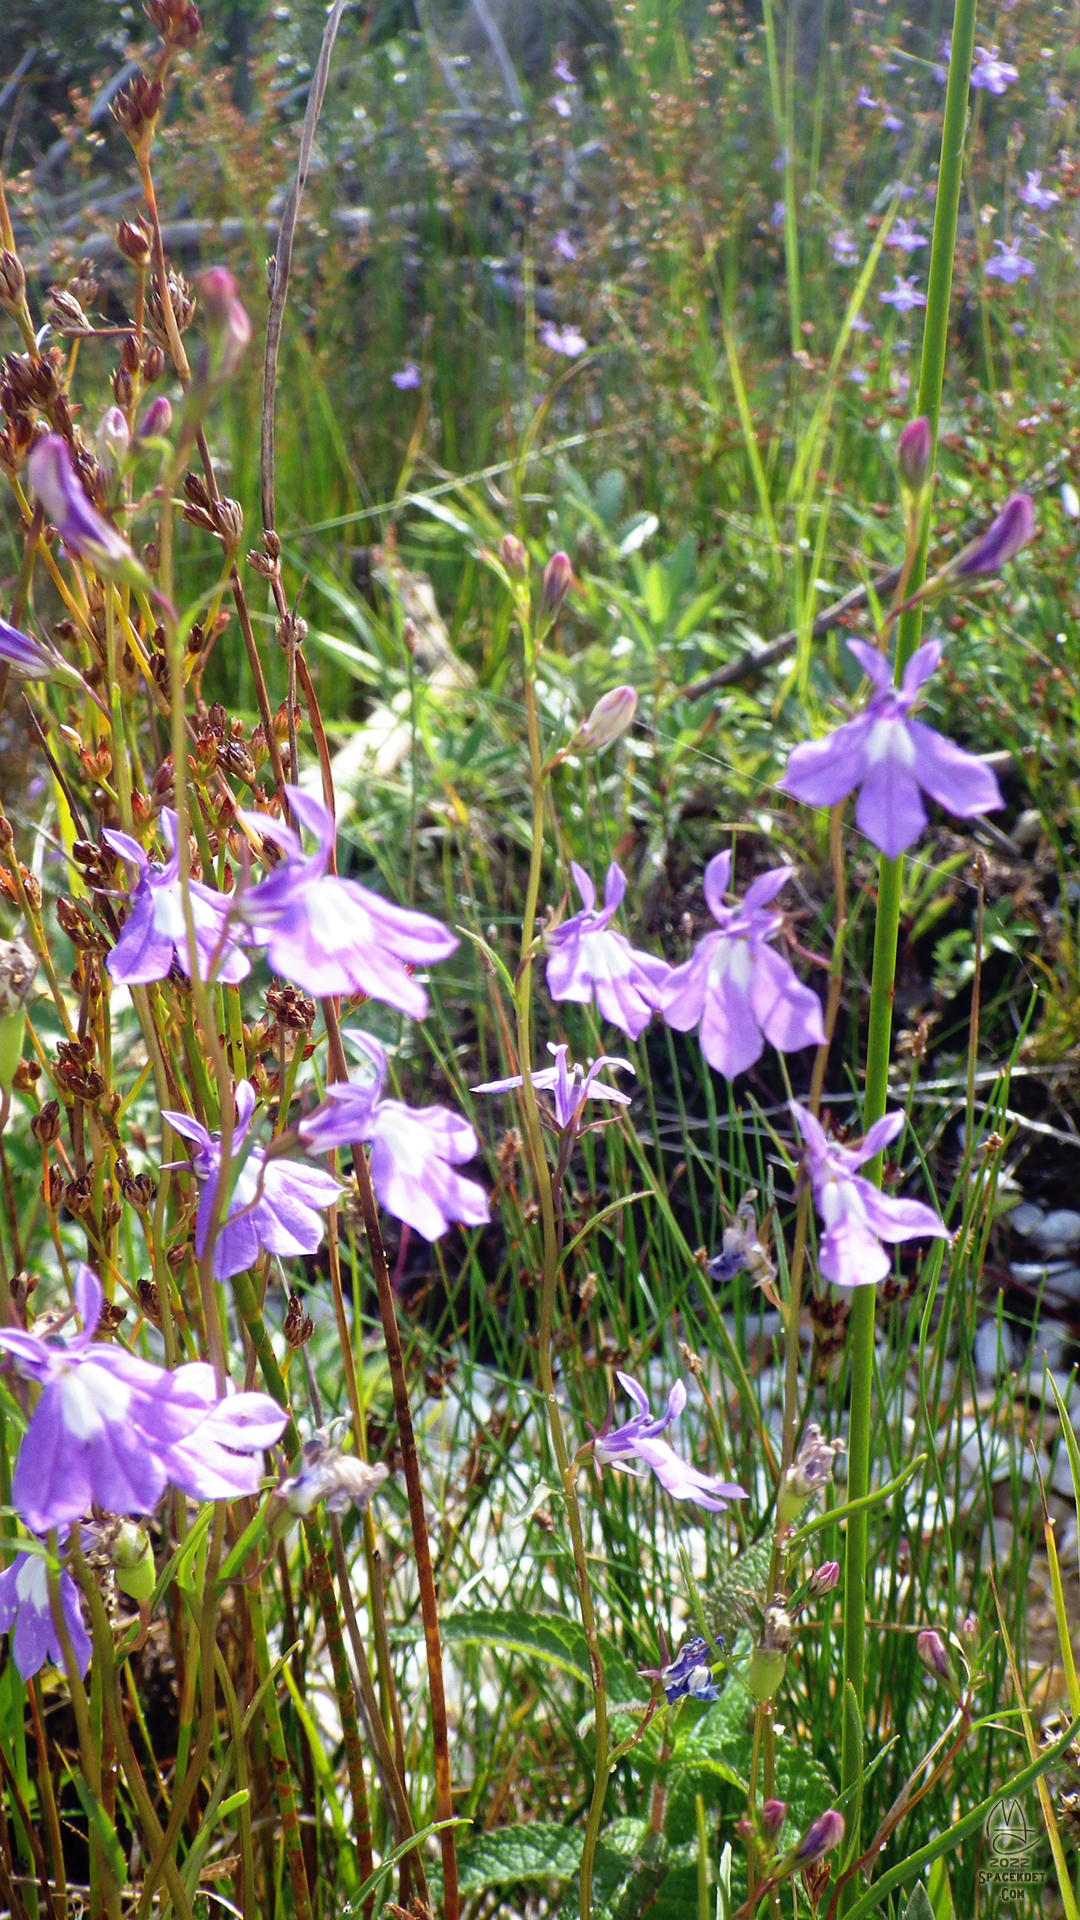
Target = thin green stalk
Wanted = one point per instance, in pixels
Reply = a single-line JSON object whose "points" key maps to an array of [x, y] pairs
{"points": [[542, 1174], [935, 343]]}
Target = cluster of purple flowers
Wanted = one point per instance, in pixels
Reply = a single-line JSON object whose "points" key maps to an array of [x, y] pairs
{"points": [[114, 1431]]}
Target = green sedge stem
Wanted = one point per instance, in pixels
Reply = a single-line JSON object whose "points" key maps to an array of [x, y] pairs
{"points": [[935, 344]]}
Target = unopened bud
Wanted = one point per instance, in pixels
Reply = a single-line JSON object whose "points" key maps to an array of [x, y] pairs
{"points": [[914, 451], [112, 440], [227, 324], [157, 419], [772, 1816], [936, 1657], [1001, 542], [821, 1836], [133, 1561], [558, 578], [612, 715], [513, 555], [1070, 501], [825, 1578]]}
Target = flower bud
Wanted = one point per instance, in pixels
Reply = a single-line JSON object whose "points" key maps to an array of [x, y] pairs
{"points": [[227, 324], [772, 1816], [153, 364], [914, 451], [123, 387], [156, 421], [513, 555], [969, 1629], [112, 440], [556, 584], [936, 1657], [133, 1561], [1070, 501], [1001, 542], [613, 714], [825, 1578], [821, 1836]]}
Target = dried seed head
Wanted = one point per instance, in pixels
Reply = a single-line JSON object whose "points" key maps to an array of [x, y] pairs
{"points": [[66, 313], [150, 1301], [45, 1126], [18, 966], [52, 1189], [153, 366], [177, 21], [79, 1195], [182, 301], [136, 109], [299, 1326], [27, 1075], [12, 282], [134, 241]]}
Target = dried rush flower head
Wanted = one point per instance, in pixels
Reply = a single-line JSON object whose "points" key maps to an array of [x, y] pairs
{"points": [[114, 1431], [735, 988], [276, 1205], [415, 1151], [589, 960]]}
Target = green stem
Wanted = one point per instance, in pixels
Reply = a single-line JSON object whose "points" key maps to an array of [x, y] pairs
{"points": [[542, 1174], [935, 343]]}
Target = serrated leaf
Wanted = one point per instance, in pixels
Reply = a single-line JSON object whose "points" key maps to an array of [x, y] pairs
{"points": [[918, 1907], [546, 1636], [738, 1591], [509, 1854]]}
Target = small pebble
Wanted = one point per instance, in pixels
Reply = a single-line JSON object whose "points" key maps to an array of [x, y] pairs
{"points": [[1026, 1217], [1059, 1230]]}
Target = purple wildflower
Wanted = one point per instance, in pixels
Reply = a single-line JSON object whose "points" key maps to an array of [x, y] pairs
{"points": [[415, 1151], [407, 376], [563, 71], [905, 236], [735, 987], [864, 98], [589, 960], [689, 1675], [331, 936], [1002, 540], [941, 70], [1010, 264], [639, 1440], [276, 1205], [80, 527], [564, 340], [891, 121], [1033, 194], [565, 248], [891, 759], [992, 73], [821, 1836], [861, 325], [25, 1606], [778, 215], [904, 295], [570, 1085], [32, 659], [112, 441], [114, 1431], [154, 933], [856, 1216], [157, 419], [844, 250], [561, 105]]}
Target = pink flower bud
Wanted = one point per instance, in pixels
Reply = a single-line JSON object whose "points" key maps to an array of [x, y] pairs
{"points": [[112, 440], [227, 323], [914, 453], [1002, 540], [825, 1578], [558, 577], [156, 421], [935, 1657], [80, 526], [612, 714], [513, 555], [821, 1836], [773, 1815]]}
